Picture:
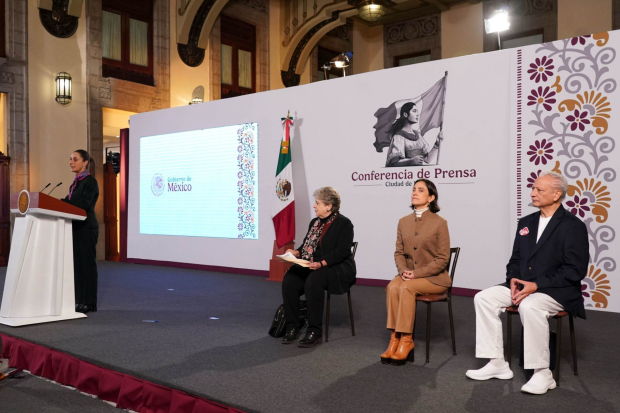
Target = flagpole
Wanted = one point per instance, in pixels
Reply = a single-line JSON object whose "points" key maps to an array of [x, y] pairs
{"points": [[443, 106]]}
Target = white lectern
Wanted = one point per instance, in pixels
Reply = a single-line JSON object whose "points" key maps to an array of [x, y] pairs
{"points": [[39, 277]]}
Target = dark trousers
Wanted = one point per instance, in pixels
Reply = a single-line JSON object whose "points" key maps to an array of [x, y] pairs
{"points": [[85, 264], [298, 281]]}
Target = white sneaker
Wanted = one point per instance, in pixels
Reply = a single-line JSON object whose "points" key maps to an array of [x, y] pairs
{"points": [[541, 381], [491, 372]]}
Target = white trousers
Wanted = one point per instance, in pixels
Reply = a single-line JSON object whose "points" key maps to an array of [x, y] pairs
{"points": [[534, 311]]}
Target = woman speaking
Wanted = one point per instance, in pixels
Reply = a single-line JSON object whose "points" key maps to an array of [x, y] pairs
{"points": [[327, 246], [83, 194], [422, 254]]}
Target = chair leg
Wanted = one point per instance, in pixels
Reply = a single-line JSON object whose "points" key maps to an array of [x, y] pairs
{"points": [[573, 345], [509, 338], [452, 327], [558, 349], [327, 318], [428, 331], [351, 313], [415, 320]]}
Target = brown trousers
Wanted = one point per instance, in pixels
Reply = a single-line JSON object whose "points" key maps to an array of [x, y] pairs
{"points": [[401, 305]]}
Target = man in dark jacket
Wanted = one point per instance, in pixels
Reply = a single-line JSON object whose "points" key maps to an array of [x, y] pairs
{"points": [[543, 277]]}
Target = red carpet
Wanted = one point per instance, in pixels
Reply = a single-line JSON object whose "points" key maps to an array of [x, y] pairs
{"points": [[126, 391]]}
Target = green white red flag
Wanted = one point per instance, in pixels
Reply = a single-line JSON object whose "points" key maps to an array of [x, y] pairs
{"points": [[283, 207]]}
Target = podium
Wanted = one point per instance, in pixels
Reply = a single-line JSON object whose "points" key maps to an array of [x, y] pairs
{"points": [[39, 285]]}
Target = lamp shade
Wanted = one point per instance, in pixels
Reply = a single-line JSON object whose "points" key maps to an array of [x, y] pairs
{"points": [[63, 88], [371, 10]]}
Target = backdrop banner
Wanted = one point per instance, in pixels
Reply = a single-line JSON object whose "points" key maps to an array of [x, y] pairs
{"points": [[478, 126], [565, 120]]}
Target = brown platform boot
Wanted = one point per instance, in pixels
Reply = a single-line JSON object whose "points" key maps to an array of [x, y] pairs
{"points": [[386, 358], [405, 350]]}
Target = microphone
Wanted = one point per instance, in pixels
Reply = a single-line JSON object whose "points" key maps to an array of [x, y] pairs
{"points": [[50, 192], [45, 187]]}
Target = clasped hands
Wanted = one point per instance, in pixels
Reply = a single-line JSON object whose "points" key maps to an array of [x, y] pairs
{"points": [[313, 265], [518, 295], [407, 275]]}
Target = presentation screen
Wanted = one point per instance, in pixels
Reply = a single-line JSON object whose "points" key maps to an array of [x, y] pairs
{"points": [[201, 183]]}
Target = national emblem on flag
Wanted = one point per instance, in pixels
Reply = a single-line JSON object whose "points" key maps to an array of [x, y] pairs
{"points": [[283, 207]]}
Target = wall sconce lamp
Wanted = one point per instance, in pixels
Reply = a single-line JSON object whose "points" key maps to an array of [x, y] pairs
{"points": [[63, 88], [195, 101]]}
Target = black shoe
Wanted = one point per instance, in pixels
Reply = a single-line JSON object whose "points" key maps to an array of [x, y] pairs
{"points": [[78, 308], [310, 340], [291, 335], [87, 308]]}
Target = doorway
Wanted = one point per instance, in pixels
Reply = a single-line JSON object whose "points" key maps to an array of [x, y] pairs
{"points": [[113, 121]]}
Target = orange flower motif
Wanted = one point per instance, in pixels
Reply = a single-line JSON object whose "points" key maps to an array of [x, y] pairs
{"points": [[557, 85], [596, 287], [595, 104], [598, 195], [602, 38]]}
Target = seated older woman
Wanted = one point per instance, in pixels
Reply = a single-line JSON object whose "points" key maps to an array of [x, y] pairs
{"points": [[422, 253], [328, 246]]}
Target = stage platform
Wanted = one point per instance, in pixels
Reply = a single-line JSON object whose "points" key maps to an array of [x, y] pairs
{"points": [[210, 340]]}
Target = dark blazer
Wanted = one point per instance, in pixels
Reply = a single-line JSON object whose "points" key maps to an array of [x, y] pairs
{"points": [[85, 196], [335, 249], [557, 263]]}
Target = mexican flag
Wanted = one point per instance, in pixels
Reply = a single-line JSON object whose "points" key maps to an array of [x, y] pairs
{"points": [[283, 207]]}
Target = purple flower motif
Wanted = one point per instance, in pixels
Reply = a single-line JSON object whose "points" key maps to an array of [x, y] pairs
{"points": [[240, 175], [540, 152], [240, 157], [584, 293], [541, 96], [240, 236], [240, 148], [239, 183], [579, 39], [578, 206], [240, 209], [240, 226], [541, 69], [533, 177], [240, 201], [578, 120]]}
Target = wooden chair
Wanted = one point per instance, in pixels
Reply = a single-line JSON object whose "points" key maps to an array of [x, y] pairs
{"points": [[446, 297], [510, 311], [353, 250]]}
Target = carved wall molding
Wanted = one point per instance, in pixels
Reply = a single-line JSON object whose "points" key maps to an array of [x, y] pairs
{"points": [[523, 7], [289, 77], [7, 77], [190, 53], [412, 29], [57, 21], [343, 32], [259, 5], [183, 5]]}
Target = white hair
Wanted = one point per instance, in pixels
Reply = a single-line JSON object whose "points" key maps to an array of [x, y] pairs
{"points": [[559, 182]]}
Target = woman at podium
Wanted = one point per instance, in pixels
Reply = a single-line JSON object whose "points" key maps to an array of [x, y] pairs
{"points": [[83, 193]]}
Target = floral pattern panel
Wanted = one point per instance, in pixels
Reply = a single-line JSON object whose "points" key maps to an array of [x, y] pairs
{"points": [[568, 121], [247, 184]]}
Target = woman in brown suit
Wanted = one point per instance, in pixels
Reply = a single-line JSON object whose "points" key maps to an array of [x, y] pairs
{"points": [[422, 253]]}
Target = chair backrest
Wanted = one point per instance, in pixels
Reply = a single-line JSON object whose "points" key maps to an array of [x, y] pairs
{"points": [[353, 249], [452, 261]]}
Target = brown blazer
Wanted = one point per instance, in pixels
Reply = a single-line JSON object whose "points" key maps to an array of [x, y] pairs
{"points": [[423, 246]]}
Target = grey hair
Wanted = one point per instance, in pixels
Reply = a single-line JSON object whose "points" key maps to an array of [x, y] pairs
{"points": [[328, 195], [559, 182]]}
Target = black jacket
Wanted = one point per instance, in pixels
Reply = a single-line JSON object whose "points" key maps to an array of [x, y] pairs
{"points": [[335, 249], [557, 263], [85, 196]]}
